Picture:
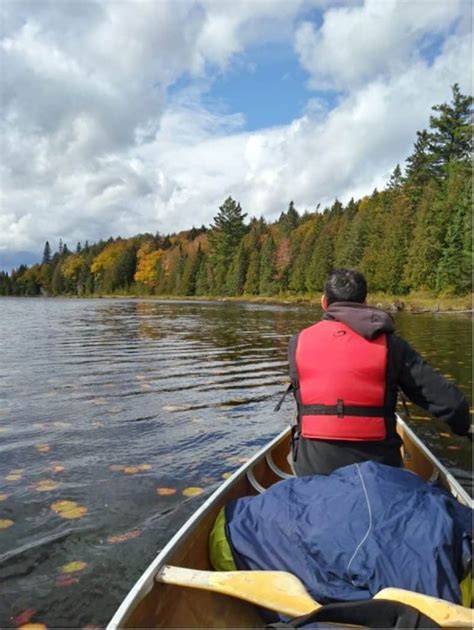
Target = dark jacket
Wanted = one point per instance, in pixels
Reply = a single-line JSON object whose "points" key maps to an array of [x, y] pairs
{"points": [[407, 372]]}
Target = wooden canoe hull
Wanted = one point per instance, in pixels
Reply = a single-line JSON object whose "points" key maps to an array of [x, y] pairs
{"points": [[151, 604]]}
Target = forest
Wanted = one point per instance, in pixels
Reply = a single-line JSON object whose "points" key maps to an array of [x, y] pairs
{"points": [[414, 235]]}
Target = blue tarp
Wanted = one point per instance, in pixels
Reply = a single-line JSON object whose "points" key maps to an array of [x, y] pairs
{"points": [[350, 534]]}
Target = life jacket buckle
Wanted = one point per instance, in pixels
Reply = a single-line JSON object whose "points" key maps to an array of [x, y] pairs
{"points": [[340, 408]]}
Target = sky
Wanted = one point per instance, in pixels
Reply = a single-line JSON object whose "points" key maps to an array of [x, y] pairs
{"points": [[121, 117]]}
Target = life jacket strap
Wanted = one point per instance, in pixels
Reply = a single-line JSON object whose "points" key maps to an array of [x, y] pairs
{"points": [[285, 394], [340, 410]]}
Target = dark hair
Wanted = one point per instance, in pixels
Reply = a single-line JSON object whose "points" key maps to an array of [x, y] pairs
{"points": [[345, 285]]}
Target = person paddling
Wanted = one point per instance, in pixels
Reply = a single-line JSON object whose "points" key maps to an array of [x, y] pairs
{"points": [[346, 372]]}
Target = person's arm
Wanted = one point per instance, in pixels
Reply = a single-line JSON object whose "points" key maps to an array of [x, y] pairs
{"points": [[430, 390]]}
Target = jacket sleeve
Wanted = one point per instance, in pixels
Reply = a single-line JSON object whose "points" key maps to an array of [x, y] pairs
{"points": [[430, 390]]}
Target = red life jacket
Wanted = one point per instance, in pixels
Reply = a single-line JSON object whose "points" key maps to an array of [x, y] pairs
{"points": [[341, 383]]}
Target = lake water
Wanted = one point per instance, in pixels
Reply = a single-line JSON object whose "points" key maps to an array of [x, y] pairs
{"points": [[108, 403]]}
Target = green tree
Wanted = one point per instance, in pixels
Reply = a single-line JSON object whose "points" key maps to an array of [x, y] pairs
{"points": [[451, 138], [267, 284], [46, 254], [227, 231]]}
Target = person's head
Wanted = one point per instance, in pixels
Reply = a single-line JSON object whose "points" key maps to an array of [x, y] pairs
{"points": [[344, 285]]}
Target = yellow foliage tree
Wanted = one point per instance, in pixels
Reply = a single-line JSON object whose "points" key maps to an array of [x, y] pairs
{"points": [[72, 266], [147, 265], [108, 256]]}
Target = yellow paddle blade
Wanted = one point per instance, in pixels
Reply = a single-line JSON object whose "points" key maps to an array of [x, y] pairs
{"points": [[447, 614], [276, 590]]}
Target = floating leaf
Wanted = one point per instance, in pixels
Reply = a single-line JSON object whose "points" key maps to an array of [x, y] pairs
{"points": [[116, 467], [66, 580], [45, 485], [454, 448], [4, 497], [33, 626], [192, 491], [226, 475], [164, 492], [119, 538], [73, 567], [69, 509], [77, 512], [42, 448], [63, 506], [13, 477], [140, 377], [445, 435], [131, 470], [60, 424], [5, 523], [144, 467], [25, 616], [17, 471], [56, 468]]}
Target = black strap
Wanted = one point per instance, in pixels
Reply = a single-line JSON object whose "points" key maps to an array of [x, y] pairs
{"points": [[371, 613], [280, 402], [341, 410]]}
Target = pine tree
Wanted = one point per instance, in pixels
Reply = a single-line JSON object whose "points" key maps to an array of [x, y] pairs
{"points": [[46, 254], [451, 138], [227, 231], [396, 179]]}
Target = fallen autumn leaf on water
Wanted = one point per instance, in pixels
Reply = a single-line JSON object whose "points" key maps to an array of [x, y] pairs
{"points": [[73, 567], [5, 523], [42, 448], [192, 491], [165, 492], [25, 617], [119, 538], [66, 580], [45, 485], [69, 509]]}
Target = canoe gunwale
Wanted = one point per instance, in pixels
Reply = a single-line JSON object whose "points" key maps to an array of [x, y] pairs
{"points": [[455, 487]]}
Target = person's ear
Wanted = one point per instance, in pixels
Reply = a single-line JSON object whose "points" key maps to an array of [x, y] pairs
{"points": [[324, 302]]}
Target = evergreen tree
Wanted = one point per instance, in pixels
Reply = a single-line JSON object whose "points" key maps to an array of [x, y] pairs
{"points": [[419, 165], [454, 273], [267, 284], [396, 179], [227, 231], [289, 220], [451, 138], [235, 280], [46, 254]]}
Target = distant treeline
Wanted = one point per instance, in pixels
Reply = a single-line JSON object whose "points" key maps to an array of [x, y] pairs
{"points": [[415, 234]]}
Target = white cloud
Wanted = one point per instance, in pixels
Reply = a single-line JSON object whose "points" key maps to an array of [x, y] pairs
{"points": [[356, 44], [93, 145]]}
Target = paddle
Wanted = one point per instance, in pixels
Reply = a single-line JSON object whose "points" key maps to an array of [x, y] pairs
{"points": [[285, 593]]}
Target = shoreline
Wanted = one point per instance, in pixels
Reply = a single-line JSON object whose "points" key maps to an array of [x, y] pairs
{"points": [[417, 303]]}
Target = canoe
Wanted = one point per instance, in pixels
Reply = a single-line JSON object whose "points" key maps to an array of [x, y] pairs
{"points": [[152, 604]]}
